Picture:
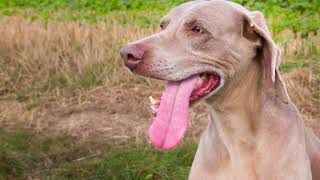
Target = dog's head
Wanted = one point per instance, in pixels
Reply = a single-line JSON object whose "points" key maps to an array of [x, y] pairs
{"points": [[215, 41], [219, 38]]}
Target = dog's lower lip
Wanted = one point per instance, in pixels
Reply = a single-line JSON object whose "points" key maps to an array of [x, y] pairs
{"points": [[207, 83]]}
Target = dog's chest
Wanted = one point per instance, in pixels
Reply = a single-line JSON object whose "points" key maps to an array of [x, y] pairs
{"points": [[269, 158]]}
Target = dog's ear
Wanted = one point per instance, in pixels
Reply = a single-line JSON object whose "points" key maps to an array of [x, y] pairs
{"points": [[255, 26]]}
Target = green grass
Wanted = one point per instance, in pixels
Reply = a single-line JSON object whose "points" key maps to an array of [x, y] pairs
{"points": [[298, 15], [299, 63], [24, 155], [144, 13]]}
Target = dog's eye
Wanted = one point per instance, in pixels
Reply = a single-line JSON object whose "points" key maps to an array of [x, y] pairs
{"points": [[163, 26], [198, 29]]}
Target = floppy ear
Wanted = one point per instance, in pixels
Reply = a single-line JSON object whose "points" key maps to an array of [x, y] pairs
{"points": [[270, 54]]}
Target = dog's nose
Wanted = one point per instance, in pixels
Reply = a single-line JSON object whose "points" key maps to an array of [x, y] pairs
{"points": [[132, 55]]}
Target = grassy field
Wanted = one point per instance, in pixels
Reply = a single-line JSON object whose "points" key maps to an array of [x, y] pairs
{"points": [[24, 155], [70, 110]]}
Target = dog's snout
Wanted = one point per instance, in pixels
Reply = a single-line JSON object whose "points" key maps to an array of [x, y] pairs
{"points": [[132, 55]]}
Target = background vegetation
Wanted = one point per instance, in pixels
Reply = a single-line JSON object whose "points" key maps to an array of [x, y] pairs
{"points": [[70, 110], [24, 155], [299, 15]]}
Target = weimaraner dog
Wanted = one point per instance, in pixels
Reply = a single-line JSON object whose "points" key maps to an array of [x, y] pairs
{"points": [[223, 53]]}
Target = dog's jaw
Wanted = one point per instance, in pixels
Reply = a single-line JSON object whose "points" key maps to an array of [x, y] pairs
{"points": [[207, 85]]}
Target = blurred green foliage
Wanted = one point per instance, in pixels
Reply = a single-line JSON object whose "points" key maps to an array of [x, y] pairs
{"points": [[92, 5], [141, 12], [298, 15], [301, 16], [25, 155]]}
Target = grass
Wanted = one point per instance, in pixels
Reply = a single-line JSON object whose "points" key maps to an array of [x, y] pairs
{"points": [[25, 155], [300, 15], [91, 11], [71, 56]]}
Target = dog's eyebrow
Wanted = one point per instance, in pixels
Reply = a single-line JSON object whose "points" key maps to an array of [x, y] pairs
{"points": [[192, 22]]}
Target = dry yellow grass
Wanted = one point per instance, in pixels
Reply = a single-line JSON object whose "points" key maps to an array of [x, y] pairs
{"points": [[60, 54], [67, 77]]}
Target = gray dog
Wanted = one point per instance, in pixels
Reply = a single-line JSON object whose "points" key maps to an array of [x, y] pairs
{"points": [[223, 53]]}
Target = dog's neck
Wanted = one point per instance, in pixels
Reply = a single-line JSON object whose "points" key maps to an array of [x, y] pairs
{"points": [[245, 119], [235, 110]]}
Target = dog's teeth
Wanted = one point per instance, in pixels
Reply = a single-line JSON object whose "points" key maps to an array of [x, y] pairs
{"points": [[153, 108], [152, 100]]}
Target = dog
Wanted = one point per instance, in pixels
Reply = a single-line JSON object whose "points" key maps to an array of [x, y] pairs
{"points": [[222, 53]]}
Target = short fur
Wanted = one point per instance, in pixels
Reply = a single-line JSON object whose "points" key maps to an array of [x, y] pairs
{"points": [[255, 131]]}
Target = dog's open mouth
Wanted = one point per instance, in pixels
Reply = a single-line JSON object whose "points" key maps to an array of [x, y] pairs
{"points": [[171, 110]]}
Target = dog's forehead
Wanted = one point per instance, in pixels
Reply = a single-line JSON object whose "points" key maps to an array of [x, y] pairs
{"points": [[211, 11]]}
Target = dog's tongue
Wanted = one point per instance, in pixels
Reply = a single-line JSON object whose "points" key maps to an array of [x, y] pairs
{"points": [[172, 117]]}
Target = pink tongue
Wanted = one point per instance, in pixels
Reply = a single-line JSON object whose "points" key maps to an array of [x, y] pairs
{"points": [[172, 117]]}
